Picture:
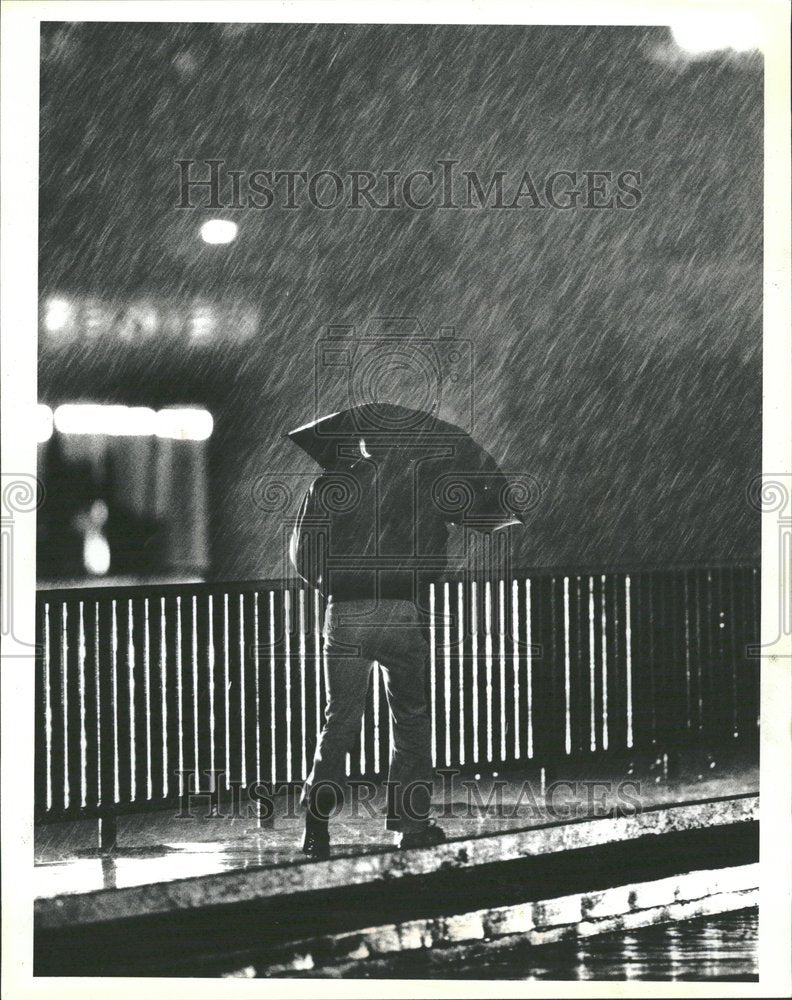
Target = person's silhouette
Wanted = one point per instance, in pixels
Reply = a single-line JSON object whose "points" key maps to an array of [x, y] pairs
{"points": [[357, 540]]}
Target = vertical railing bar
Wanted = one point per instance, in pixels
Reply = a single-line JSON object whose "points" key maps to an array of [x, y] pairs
{"points": [[163, 645], [628, 654], [488, 661], [696, 649], [567, 674], [81, 651], [98, 701], [147, 695], [447, 670], [303, 690], [433, 672], [242, 693], [180, 691], [65, 701], [211, 661], [515, 635], [362, 761], [131, 689], [257, 683], [529, 667], [475, 665], [576, 637], [102, 737], [391, 742], [699, 676], [461, 659], [592, 666], [714, 649], [89, 614], [317, 662], [756, 621], [688, 706], [727, 663], [324, 668], [226, 688], [733, 657], [616, 635], [502, 663], [604, 667], [649, 578], [740, 651], [287, 657], [116, 751], [48, 704], [550, 623], [273, 760], [723, 721], [375, 680], [195, 687]]}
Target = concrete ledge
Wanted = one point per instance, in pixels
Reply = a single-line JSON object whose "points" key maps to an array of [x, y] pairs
{"points": [[580, 915], [257, 884]]}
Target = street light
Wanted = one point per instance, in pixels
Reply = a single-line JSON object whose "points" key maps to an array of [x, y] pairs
{"points": [[218, 231]]}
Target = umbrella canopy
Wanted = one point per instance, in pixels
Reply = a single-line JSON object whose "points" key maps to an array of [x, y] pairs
{"points": [[383, 425], [467, 484]]}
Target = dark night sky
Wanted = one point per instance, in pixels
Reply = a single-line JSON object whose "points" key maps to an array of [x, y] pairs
{"points": [[618, 353]]}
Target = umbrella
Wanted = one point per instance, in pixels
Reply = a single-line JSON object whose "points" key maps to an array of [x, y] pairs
{"points": [[465, 482]]}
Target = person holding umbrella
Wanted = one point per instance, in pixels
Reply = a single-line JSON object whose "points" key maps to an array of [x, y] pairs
{"points": [[371, 536]]}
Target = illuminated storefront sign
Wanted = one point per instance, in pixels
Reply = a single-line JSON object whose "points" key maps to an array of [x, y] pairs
{"points": [[64, 319]]}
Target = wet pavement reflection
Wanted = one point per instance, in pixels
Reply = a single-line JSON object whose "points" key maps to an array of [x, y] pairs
{"points": [[163, 846]]}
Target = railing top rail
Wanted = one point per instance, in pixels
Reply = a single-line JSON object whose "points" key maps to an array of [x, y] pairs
{"points": [[147, 590]]}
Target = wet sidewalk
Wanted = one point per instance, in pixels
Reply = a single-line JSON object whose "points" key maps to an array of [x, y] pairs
{"points": [[166, 846]]}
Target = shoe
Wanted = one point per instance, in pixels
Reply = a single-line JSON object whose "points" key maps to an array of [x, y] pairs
{"points": [[316, 840], [429, 835]]}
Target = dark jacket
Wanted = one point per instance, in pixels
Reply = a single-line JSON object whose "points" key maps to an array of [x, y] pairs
{"points": [[371, 532]]}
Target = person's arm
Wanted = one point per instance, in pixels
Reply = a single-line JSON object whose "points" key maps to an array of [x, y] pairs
{"points": [[294, 542], [307, 547]]}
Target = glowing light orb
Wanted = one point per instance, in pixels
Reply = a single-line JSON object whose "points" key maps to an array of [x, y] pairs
{"points": [[44, 423], [217, 231], [58, 315]]}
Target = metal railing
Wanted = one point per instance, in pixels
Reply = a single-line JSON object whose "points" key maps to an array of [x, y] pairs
{"points": [[140, 688]]}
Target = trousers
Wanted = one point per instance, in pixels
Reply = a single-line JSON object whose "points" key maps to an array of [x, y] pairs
{"points": [[357, 633]]}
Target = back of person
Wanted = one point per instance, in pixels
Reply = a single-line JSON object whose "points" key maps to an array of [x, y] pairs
{"points": [[371, 532]]}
